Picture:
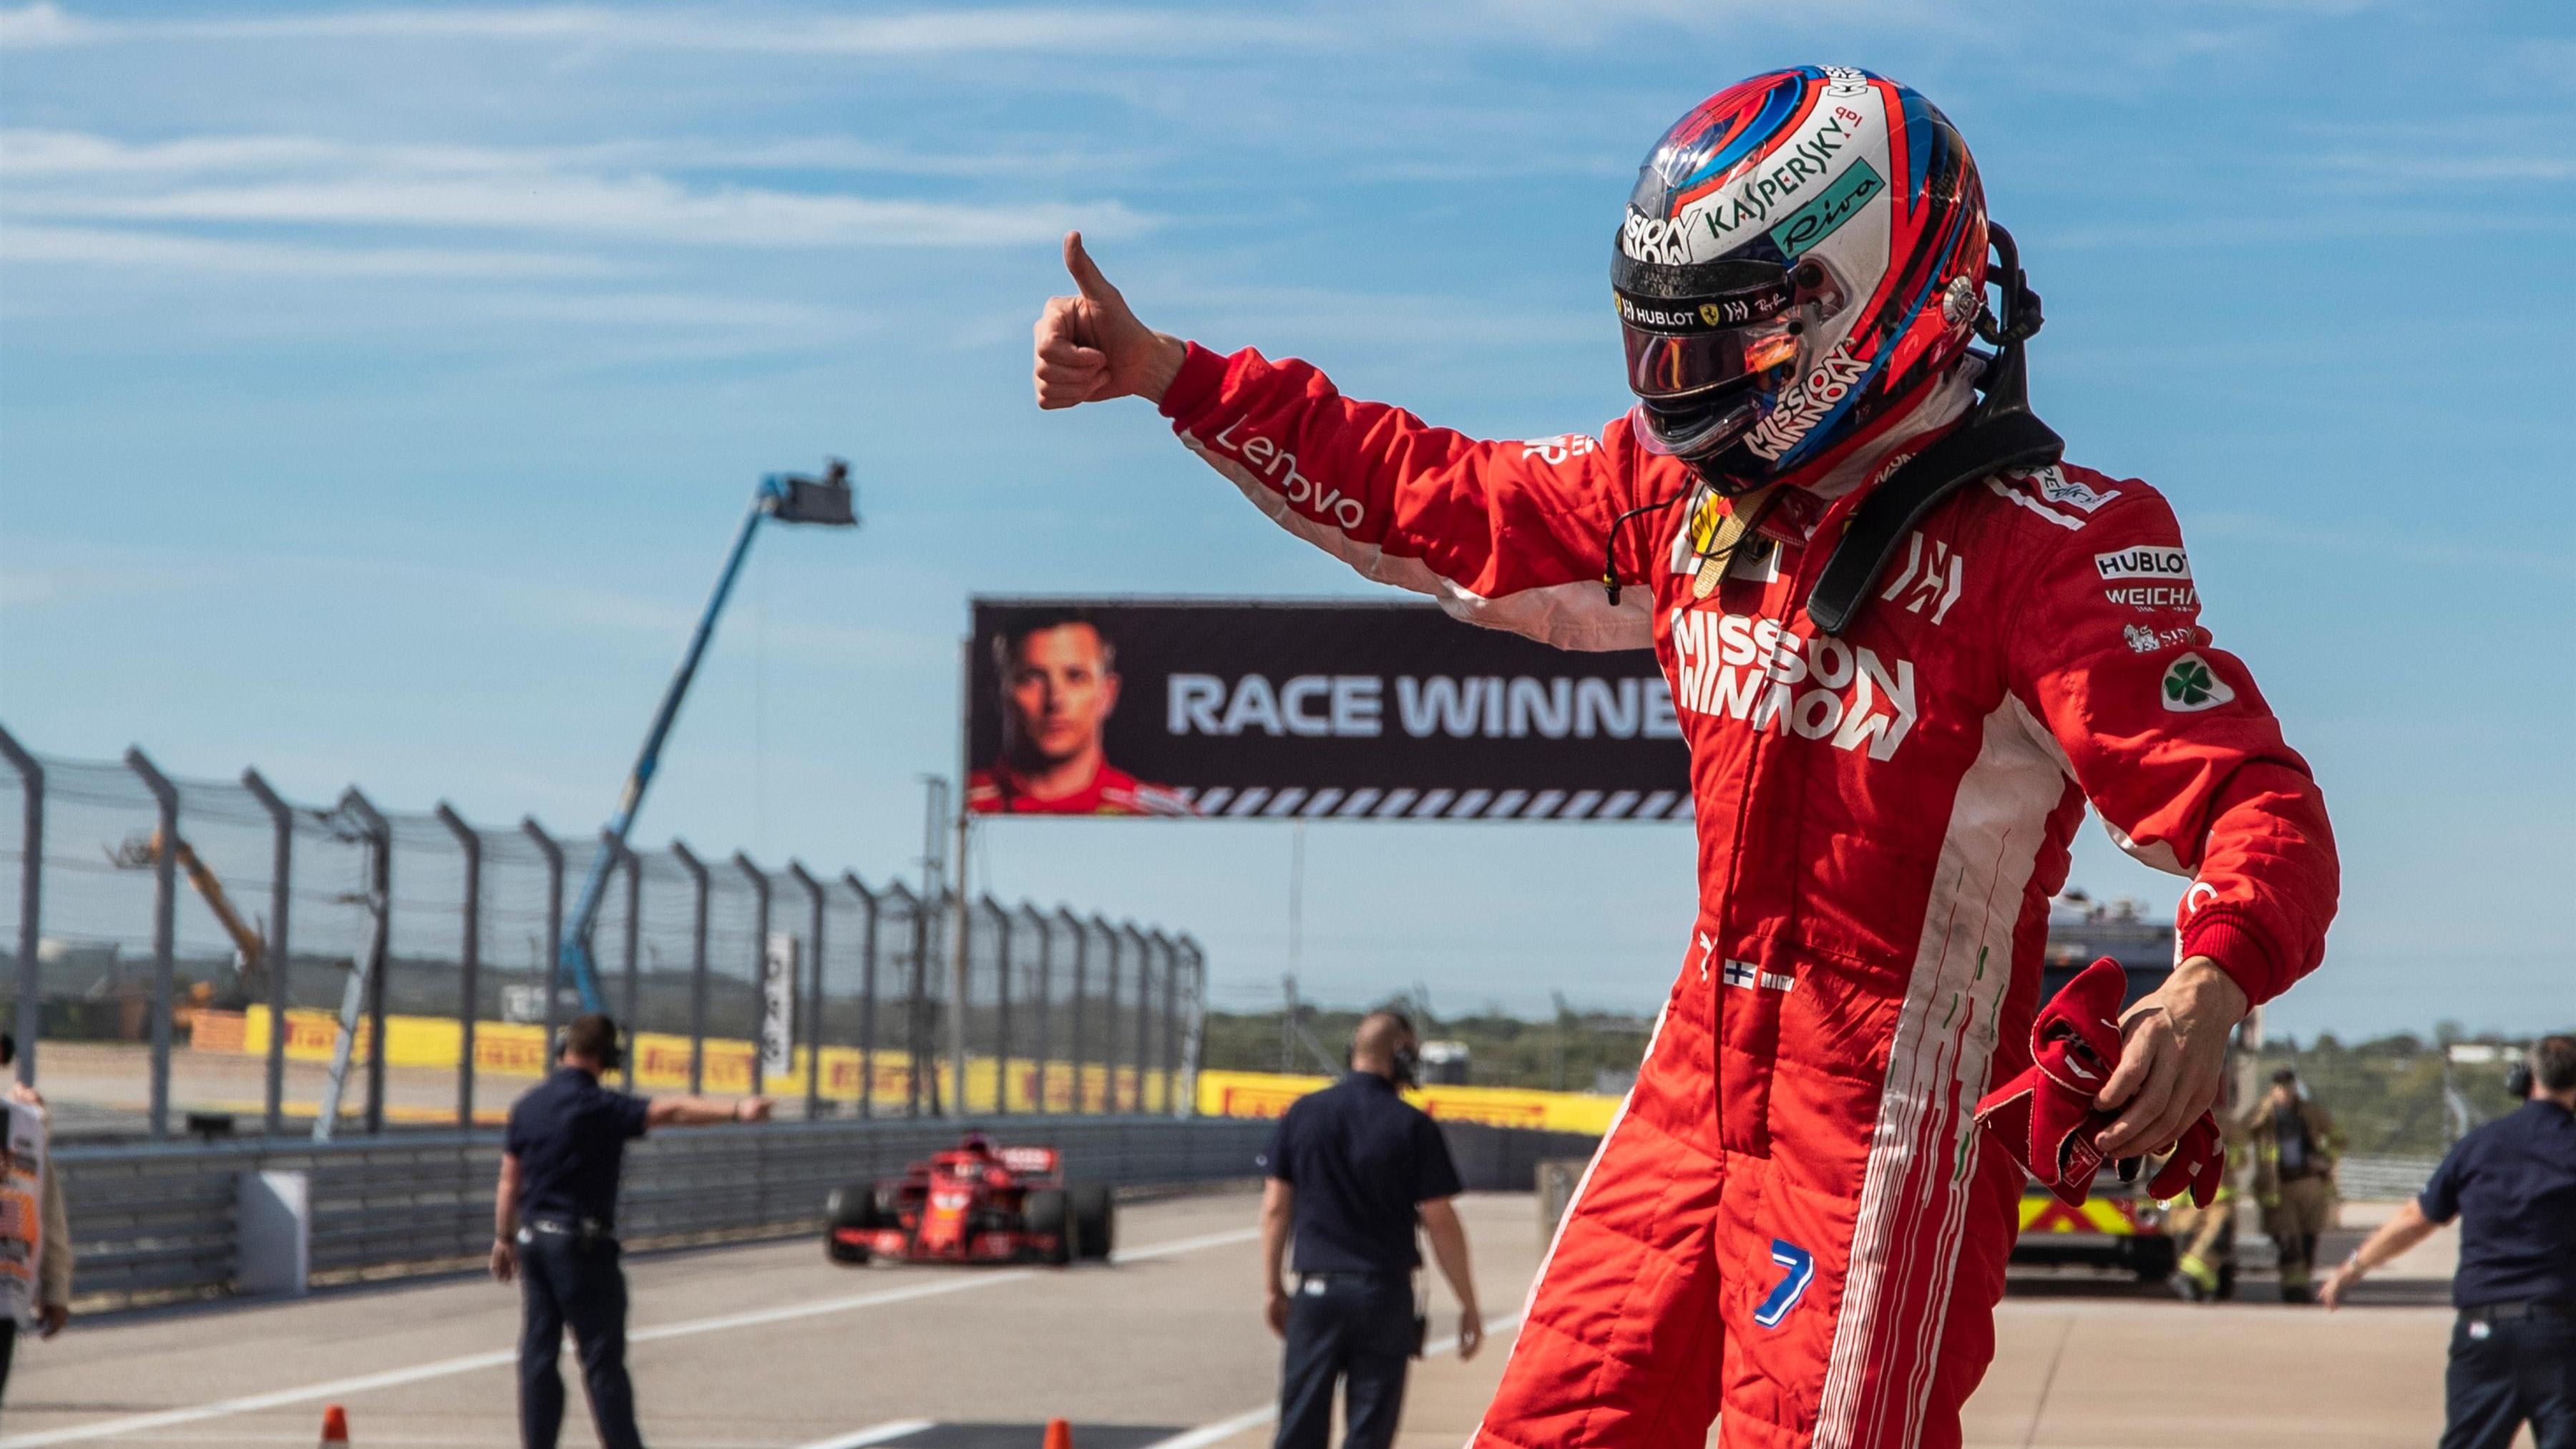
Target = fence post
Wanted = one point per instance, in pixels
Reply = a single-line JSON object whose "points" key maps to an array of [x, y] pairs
{"points": [[31, 896], [165, 917], [759, 959], [634, 865], [380, 887], [1171, 955], [1192, 1032], [697, 967], [1081, 968], [916, 1028], [867, 998], [1109, 1003], [813, 994], [553, 852], [1007, 931], [1046, 1006], [276, 954], [469, 991], [1144, 1011]]}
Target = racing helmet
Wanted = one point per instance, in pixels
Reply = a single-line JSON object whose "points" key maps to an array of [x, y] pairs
{"points": [[1804, 255]]}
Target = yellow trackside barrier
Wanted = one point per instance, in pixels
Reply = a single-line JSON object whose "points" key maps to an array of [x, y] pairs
{"points": [[661, 1062], [1267, 1094]]}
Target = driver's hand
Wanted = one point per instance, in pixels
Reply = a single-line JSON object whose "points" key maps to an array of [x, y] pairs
{"points": [[1091, 348], [2172, 1060]]}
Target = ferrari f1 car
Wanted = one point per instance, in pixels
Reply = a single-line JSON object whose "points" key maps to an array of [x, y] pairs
{"points": [[975, 1203]]}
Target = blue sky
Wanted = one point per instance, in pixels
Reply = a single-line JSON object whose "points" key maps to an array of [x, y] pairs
{"points": [[378, 385]]}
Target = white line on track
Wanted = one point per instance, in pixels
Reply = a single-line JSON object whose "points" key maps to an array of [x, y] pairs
{"points": [[474, 1362], [1224, 1429], [873, 1434]]}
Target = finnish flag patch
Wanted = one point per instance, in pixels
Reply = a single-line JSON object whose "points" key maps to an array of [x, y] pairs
{"points": [[1746, 974]]}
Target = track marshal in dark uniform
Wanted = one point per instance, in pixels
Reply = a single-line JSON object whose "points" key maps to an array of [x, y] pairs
{"points": [[2512, 1186], [554, 1226], [1353, 1170]]}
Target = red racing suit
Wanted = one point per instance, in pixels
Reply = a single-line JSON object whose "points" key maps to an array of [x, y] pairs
{"points": [[1792, 1217]]}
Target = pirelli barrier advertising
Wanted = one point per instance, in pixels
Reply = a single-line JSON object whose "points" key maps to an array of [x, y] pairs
{"points": [[1376, 711], [1267, 1094], [661, 1062], [504, 1049]]}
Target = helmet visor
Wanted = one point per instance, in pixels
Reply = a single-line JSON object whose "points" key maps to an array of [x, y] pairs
{"points": [[1687, 347]]}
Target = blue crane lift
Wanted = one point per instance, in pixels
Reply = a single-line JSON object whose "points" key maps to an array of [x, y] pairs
{"points": [[780, 498]]}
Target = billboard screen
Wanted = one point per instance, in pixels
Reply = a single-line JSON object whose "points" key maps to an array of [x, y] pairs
{"points": [[1380, 711]]}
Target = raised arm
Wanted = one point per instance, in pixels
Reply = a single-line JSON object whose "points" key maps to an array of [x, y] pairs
{"points": [[703, 1111], [1514, 535]]}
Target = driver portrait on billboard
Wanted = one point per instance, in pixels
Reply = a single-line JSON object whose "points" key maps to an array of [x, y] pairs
{"points": [[1058, 686]]}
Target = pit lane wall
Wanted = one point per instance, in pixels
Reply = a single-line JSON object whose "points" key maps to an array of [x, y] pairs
{"points": [[167, 1222]]}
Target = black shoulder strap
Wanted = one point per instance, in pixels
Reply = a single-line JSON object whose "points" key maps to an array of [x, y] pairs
{"points": [[2014, 440], [2001, 435]]}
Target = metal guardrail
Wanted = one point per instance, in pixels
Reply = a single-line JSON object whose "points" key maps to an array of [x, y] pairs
{"points": [[159, 1222], [2383, 1179]]}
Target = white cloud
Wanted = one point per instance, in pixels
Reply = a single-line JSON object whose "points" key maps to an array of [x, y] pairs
{"points": [[27, 154], [1038, 30], [163, 251], [643, 208], [55, 587], [288, 180]]}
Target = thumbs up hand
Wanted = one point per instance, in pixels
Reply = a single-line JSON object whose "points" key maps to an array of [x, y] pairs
{"points": [[1091, 348]]}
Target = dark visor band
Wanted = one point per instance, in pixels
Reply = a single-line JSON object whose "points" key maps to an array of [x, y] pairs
{"points": [[1690, 316]]}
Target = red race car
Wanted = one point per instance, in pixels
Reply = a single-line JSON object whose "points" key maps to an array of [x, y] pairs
{"points": [[975, 1203]]}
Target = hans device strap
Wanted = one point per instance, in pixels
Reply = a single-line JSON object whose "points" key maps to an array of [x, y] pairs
{"points": [[2001, 435]]}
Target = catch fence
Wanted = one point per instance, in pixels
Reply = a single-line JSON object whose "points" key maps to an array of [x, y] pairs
{"points": [[180, 950]]}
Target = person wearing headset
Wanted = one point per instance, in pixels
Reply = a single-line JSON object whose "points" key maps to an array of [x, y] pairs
{"points": [[1354, 1171], [554, 1222], [2512, 1186]]}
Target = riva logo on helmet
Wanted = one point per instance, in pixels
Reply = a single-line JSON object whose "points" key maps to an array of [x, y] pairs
{"points": [[1815, 395], [2147, 561], [1735, 667], [1841, 201]]}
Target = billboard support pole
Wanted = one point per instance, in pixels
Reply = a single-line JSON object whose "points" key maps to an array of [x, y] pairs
{"points": [[957, 977]]}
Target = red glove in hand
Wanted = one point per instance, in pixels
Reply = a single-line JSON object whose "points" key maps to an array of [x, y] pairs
{"points": [[2199, 1162], [2046, 1118]]}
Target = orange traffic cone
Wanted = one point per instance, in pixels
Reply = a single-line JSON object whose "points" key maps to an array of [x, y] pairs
{"points": [[335, 1426], [1059, 1434]]}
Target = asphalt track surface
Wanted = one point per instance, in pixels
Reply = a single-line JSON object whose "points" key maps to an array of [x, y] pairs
{"points": [[763, 1347], [769, 1347]]}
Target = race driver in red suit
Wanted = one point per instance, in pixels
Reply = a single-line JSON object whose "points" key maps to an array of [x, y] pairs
{"points": [[1793, 1221]]}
